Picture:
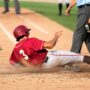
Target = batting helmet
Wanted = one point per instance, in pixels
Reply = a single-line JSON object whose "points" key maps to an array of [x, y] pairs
{"points": [[21, 30]]}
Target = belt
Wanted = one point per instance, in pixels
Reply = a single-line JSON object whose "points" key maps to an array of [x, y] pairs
{"points": [[83, 5], [46, 59]]}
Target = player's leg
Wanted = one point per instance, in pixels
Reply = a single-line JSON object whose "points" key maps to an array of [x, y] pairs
{"points": [[68, 57], [17, 6], [80, 32], [60, 6], [87, 39], [67, 4], [6, 6], [56, 58]]}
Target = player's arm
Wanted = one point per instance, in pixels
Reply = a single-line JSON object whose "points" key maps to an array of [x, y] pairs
{"points": [[89, 21], [72, 4], [50, 44]]}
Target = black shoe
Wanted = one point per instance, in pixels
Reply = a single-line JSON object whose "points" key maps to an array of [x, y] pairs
{"points": [[4, 12], [18, 13], [60, 14]]}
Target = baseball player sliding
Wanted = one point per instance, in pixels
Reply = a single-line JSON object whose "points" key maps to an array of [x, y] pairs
{"points": [[32, 52]]}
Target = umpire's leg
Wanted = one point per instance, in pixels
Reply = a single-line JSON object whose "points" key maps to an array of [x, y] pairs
{"points": [[17, 6], [80, 33], [87, 40]]}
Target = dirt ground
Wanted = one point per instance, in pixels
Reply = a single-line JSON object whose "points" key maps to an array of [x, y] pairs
{"points": [[44, 28]]}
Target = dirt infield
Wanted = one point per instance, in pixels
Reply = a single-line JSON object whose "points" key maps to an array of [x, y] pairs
{"points": [[45, 29]]}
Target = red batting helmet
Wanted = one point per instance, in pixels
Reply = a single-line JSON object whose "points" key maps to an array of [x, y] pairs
{"points": [[21, 30]]}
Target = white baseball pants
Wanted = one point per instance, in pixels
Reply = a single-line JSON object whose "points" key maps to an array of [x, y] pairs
{"points": [[58, 57], [64, 1]]}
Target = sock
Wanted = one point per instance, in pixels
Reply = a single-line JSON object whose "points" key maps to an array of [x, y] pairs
{"points": [[86, 59], [60, 8], [67, 5]]}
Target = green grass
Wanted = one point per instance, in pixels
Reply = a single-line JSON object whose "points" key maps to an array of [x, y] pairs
{"points": [[50, 10]]}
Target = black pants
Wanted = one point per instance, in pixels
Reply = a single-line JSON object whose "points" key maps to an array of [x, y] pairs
{"points": [[80, 34], [17, 6]]}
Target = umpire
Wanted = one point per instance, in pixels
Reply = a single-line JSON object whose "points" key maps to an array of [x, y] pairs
{"points": [[6, 6], [80, 34]]}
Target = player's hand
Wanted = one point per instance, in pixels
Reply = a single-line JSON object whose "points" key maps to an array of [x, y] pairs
{"points": [[58, 34], [89, 21], [67, 12]]}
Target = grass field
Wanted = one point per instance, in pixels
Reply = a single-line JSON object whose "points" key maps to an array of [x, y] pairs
{"points": [[50, 10]]}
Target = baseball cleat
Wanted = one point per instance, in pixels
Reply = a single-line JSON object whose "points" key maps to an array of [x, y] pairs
{"points": [[75, 68], [4, 12], [72, 67], [67, 67]]}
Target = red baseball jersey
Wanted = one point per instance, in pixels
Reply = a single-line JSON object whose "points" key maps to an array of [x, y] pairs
{"points": [[31, 49]]}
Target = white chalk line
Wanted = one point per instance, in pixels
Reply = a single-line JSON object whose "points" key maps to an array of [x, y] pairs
{"points": [[34, 24], [26, 20], [7, 33]]}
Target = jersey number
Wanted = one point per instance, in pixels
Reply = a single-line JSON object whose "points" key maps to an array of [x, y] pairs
{"points": [[24, 55]]}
